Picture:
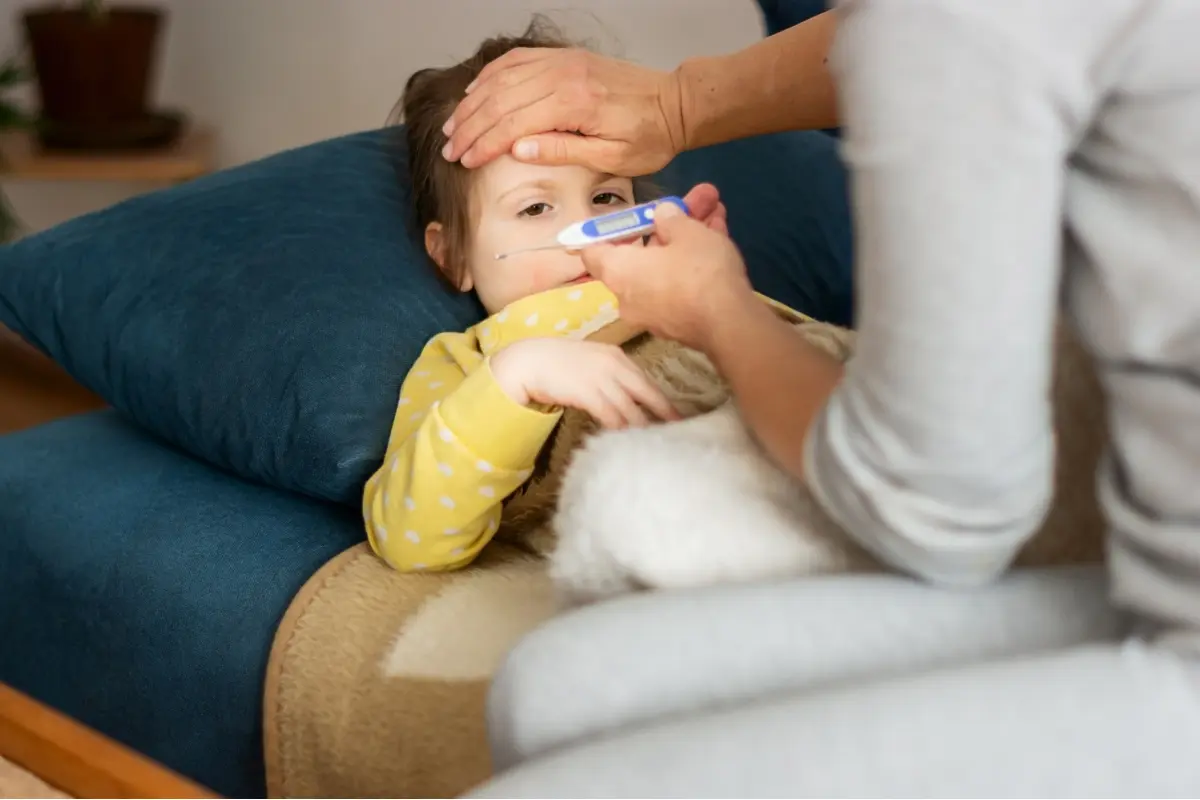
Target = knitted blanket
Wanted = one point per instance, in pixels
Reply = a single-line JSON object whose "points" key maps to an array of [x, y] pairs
{"points": [[377, 680]]}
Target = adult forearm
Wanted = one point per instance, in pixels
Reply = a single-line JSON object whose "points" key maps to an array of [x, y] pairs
{"points": [[781, 83], [779, 381]]}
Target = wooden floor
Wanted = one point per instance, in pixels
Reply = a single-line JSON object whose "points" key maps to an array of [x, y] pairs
{"points": [[33, 389]]}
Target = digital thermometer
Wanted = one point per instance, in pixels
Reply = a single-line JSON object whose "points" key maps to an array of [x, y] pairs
{"points": [[623, 224]]}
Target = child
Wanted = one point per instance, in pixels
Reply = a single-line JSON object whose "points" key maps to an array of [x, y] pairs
{"points": [[478, 406]]}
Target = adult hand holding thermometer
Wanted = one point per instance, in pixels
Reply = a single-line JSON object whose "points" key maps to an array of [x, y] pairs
{"points": [[624, 224]]}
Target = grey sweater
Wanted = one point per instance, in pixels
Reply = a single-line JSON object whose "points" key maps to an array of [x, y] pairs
{"points": [[1011, 158]]}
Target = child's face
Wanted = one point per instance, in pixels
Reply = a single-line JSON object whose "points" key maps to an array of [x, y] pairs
{"points": [[516, 205]]}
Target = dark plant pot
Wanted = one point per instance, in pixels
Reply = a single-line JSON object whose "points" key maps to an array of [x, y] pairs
{"points": [[93, 71]]}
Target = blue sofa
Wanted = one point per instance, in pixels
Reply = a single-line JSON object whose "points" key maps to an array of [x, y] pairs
{"points": [[142, 577], [140, 589], [149, 551]]}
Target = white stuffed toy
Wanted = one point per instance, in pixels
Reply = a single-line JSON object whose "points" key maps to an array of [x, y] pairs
{"points": [[698, 502]]}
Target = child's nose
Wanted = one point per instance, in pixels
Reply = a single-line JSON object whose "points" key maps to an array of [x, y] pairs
{"points": [[578, 213]]}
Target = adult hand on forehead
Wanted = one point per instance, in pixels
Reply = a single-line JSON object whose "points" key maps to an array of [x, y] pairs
{"points": [[557, 106]]}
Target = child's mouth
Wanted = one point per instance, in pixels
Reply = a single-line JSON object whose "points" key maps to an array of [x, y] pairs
{"points": [[584, 278]]}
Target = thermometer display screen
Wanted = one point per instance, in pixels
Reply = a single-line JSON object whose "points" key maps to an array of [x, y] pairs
{"points": [[613, 224]]}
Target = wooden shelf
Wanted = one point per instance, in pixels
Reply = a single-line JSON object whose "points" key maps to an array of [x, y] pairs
{"points": [[23, 158]]}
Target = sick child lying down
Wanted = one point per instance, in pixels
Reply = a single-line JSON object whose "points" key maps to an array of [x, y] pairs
{"points": [[496, 427], [479, 405]]}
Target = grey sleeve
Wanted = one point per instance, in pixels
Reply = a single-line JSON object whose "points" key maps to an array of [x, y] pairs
{"points": [[936, 452]]}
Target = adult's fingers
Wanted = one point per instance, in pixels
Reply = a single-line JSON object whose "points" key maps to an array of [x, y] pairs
{"points": [[514, 67], [599, 260], [719, 221], [513, 58], [551, 113], [513, 89], [704, 204], [670, 223], [702, 201], [608, 263], [556, 149]]}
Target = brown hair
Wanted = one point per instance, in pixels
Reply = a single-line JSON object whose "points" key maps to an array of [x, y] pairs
{"points": [[440, 189]]}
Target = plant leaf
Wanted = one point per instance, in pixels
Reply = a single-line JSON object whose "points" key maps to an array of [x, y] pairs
{"points": [[10, 225], [13, 72], [11, 116]]}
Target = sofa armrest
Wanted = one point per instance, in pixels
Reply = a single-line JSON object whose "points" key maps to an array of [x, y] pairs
{"points": [[377, 679]]}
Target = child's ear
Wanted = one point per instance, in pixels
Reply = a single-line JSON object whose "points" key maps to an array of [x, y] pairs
{"points": [[435, 245]]}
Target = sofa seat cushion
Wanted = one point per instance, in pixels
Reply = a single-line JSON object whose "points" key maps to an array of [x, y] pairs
{"points": [[140, 590]]}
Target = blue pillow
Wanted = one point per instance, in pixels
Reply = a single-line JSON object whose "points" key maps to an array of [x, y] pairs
{"points": [[780, 15], [263, 318]]}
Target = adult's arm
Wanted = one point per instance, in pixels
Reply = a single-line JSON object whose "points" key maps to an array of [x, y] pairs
{"points": [[933, 448], [781, 83], [555, 106], [936, 451]]}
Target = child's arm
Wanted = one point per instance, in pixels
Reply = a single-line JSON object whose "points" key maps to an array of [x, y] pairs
{"points": [[459, 446]]}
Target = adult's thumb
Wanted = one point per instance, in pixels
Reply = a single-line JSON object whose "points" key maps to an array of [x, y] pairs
{"points": [[669, 220], [557, 149], [597, 259]]}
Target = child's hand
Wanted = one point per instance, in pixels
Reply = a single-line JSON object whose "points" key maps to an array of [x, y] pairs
{"points": [[597, 378]]}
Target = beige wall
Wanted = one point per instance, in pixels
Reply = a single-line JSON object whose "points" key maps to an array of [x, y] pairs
{"points": [[271, 74]]}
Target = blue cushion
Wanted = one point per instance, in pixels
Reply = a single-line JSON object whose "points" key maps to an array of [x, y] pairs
{"points": [[780, 15], [140, 590], [264, 317]]}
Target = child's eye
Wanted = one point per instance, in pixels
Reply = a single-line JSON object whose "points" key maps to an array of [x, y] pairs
{"points": [[608, 199], [535, 210]]}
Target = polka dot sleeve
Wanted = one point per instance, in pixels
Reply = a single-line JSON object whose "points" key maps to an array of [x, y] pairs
{"points": [[460, 446]]}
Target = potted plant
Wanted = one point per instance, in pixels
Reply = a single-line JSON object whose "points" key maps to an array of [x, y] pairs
{"points": [[95, 65], [12, 74]]}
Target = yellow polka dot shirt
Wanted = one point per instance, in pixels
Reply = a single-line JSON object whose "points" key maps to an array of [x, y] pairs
{"points": [[459, 445]]}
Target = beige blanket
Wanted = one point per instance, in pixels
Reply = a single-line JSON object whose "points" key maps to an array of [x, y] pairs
{"points": [[377, 680]]}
